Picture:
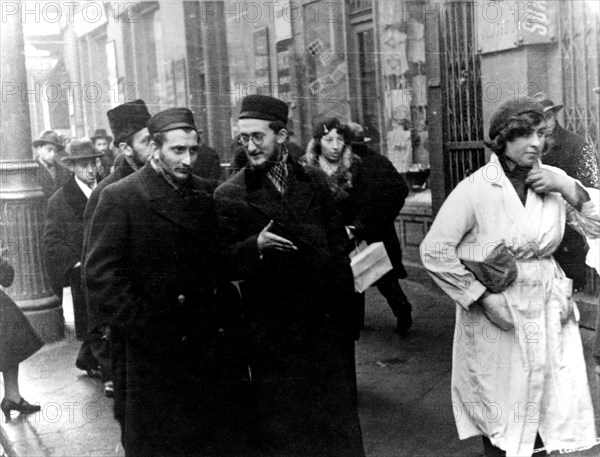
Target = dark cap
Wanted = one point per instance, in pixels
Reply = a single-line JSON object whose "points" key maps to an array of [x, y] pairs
{"points": [[356, 133], [171, 119], [101, 134], [510, 110], [81, 151], [127, 119], [325, 125], [264, 107], [48, 137], [548, 104]]}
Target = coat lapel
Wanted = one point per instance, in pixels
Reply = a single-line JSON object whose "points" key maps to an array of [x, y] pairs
{"points": [[170, 205], [295, 201], [75, 197], [515, 210]]}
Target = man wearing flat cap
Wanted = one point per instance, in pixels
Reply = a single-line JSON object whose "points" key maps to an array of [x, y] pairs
{"points": [[128, 124], [576, 157], [286, 243], [63, 240], [150, 266], [51, 174]]}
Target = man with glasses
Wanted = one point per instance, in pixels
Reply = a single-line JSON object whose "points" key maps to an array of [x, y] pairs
{"points": [[287, 244]]}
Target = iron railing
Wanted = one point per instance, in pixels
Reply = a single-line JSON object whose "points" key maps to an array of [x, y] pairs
{"points": [[462, 117]]}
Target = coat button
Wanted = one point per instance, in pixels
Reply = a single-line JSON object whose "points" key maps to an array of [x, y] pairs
{"points": [[181, 298]]}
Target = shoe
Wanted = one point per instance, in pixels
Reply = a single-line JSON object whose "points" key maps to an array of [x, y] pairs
{"points": [[403, 324], [24, 407], [92, 372], [109, 389]]}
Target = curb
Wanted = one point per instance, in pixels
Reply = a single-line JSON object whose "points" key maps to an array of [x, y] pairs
{"points": [[14, 440]]}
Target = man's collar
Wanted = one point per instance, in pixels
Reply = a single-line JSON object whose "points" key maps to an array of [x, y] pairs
{"points": [[87, 190]]}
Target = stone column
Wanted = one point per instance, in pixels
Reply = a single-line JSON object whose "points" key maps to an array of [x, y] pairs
{"points": [[22, 203]]}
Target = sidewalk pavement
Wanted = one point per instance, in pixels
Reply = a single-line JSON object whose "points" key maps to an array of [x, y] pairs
{"points": [[404, 391]]}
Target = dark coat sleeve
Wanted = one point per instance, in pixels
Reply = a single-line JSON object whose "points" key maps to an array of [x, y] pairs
{"points": [[240, 230], [381, 192], [106, 265], [61, 255]]}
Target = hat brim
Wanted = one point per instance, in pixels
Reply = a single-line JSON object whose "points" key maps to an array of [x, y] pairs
{"points": [[364, 141], [259, 115], [555, 108], [37, 143], [105, 137], [177, 126], [81, 158]]}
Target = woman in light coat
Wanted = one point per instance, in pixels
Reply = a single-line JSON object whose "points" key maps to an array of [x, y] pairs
{"points": [[519, 375]]}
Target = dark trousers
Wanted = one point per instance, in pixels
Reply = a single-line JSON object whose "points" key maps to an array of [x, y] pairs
{"points": [[390, 288], [489, 450], [94, 351]]}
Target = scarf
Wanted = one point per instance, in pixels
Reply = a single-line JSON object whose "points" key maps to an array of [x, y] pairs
{"points": [[278, 173], [516, 174]]}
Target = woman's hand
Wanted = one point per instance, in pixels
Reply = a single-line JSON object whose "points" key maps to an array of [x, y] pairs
{"points": [[542, 180], [495, 309]]}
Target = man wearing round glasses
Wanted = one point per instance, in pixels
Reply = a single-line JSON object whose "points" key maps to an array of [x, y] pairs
{"points": [[286, 242]]}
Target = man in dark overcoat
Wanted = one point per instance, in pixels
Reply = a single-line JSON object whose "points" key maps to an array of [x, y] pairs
{"points": [[63, 240], [576, 157], [128, 124], [378, 200], [286, 242], [51, 174], [150, 265]]}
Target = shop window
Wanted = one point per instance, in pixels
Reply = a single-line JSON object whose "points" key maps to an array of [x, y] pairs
{"points": [[401, 38]]}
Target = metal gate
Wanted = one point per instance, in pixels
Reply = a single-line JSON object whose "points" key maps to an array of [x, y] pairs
{"points": [[462, 114], [580, 46]]}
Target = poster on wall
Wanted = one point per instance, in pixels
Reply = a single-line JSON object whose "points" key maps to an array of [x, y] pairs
{"points": [[262, 64]]}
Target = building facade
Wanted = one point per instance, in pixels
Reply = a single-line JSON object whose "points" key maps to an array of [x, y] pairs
{"points": [[424, 76]]}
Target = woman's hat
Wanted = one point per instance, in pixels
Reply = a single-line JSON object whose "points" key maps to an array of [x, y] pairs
{"points": [[325, 125], [101, 134], [356, 133], [48, 137], [81, 150], [548, 104], [510, 110]]}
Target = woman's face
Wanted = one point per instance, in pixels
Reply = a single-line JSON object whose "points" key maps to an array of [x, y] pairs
{"points": [[526, 150], [332, 146]]}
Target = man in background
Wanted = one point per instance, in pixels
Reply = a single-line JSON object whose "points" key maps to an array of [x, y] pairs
{"points": [[63, 241], [51, 174], [576, 157]]}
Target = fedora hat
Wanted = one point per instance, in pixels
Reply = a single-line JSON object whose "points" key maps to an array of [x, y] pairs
{"points": [[81, 150], [547, 103], [48, 137], [101, 133]]}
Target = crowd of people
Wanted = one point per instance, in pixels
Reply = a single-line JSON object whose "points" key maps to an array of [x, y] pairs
{"points": [[222, 316]]}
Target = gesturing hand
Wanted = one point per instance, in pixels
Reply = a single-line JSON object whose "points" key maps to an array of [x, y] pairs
{"points": [[269, 241]]}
